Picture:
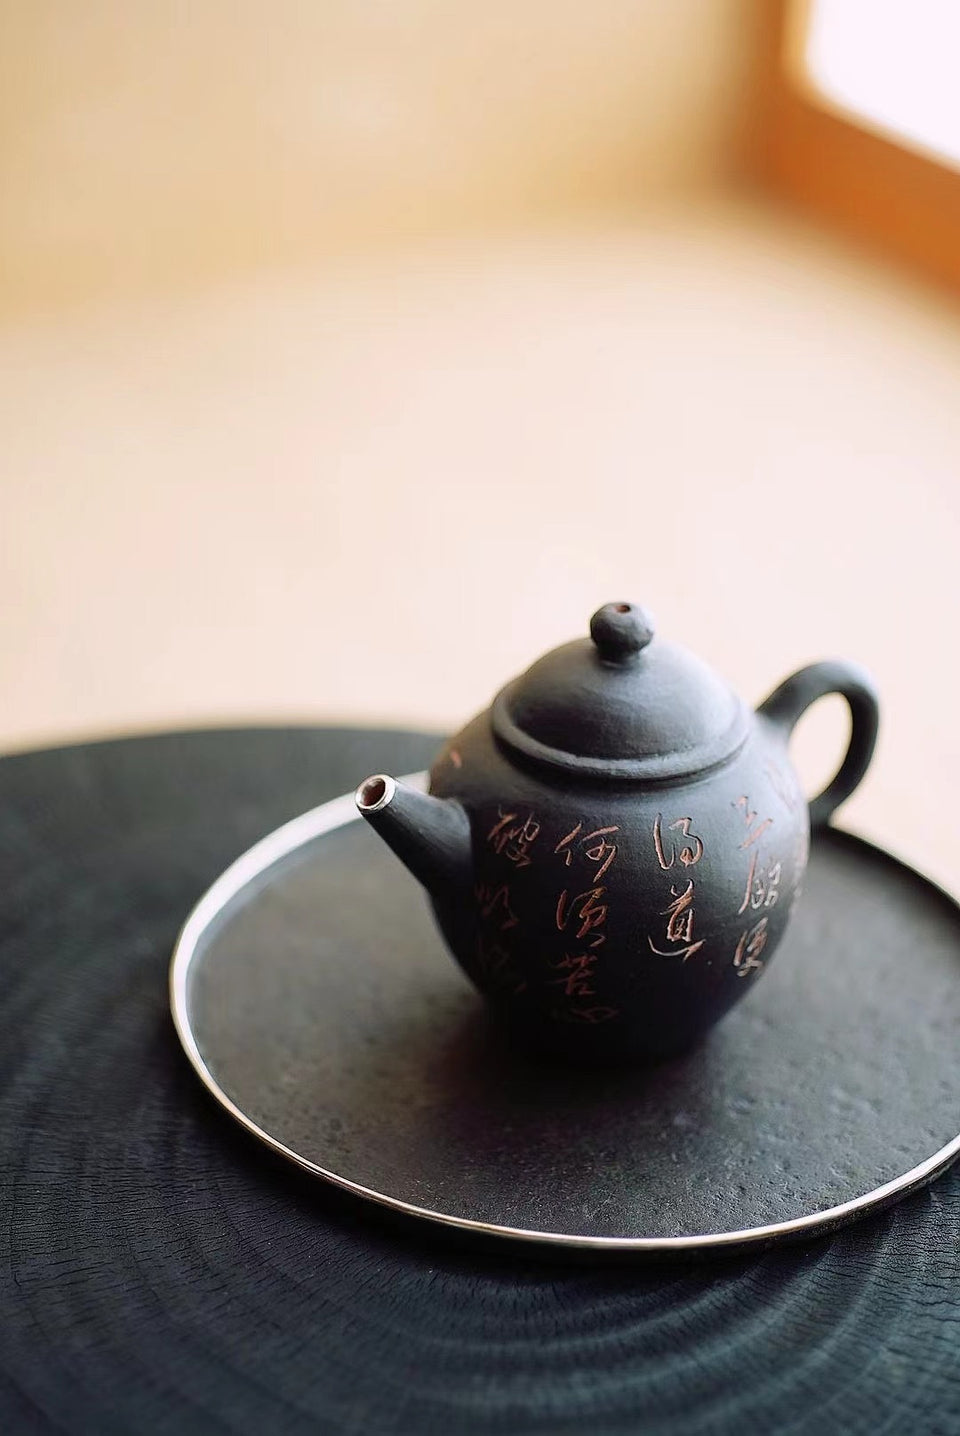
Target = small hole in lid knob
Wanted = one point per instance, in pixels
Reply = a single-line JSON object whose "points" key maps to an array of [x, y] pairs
{"points": [[620, 631]]}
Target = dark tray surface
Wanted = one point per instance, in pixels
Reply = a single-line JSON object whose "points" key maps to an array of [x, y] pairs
{"points": [[161, 1274], [328, 1011]]}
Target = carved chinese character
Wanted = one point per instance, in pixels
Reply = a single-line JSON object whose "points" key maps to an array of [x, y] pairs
{"points": [[688, 855], [749, 818], [578, 969], [595, 846], [763, 886], [589, 1015], [746, 959], [772, 892], [495, 906], [678, 952], [680, 913], [496, 963], [586, 908], [514, 839]]}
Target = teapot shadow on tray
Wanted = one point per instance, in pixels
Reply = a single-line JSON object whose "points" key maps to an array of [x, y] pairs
{"points": [[474, 1082]]}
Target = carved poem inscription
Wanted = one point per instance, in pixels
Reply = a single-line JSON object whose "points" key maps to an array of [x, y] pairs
{"points": [[676, 843], [581, 915], [761, 892]]}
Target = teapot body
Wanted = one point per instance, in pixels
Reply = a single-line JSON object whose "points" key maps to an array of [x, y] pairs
{"points": [[621, 920], [613, 849]]}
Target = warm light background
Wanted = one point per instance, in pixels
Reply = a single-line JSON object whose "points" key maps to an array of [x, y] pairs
{"points": [[149, 141], [352, 354]]}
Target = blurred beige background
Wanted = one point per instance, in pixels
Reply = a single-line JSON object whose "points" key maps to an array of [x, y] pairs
{"points": [[351, 355], [151, 143]]}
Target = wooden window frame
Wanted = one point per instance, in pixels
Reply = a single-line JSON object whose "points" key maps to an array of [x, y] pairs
{"points": [[808, 148]]}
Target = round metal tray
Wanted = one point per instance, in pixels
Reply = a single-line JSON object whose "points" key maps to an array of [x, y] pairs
{"points": [[314, 997]]}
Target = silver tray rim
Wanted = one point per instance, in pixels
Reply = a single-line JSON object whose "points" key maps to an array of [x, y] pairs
{"points": [[337, 813]]}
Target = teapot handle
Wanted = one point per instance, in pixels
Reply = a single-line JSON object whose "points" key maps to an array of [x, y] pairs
{"points": [[794, 696]]}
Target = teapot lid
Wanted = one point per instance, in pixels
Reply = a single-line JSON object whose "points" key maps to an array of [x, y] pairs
{"points": [[621, 704]]}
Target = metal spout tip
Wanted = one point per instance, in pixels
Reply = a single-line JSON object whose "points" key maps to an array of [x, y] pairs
{"points": [[430, 836], [375, 793]]}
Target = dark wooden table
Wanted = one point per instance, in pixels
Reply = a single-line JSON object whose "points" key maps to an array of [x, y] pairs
{"points": [[162, 1273]]}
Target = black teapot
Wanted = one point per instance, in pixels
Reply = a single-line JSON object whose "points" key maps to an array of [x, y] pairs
{"points": [[614, 848]]}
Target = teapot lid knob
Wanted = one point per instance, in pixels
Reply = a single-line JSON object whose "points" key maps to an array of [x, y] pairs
{"points": [[620, 631]]}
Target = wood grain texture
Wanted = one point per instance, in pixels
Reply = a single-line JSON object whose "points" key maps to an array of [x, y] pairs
{"points": [[159, 1275]]}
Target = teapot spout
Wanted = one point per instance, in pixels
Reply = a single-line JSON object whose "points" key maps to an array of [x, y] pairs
{"points": [[430, 836]]}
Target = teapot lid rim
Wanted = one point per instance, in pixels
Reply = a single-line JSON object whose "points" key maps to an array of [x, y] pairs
{"points": [[676, 763], [621, 705]]}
